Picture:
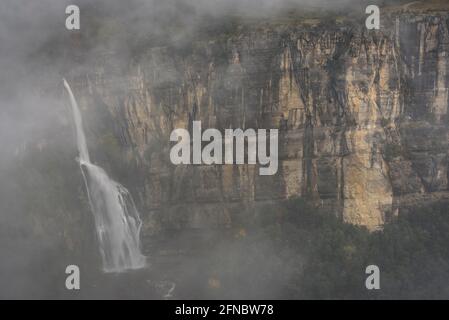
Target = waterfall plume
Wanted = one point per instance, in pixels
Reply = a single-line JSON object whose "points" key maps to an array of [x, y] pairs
{"points": [[117, 220]]}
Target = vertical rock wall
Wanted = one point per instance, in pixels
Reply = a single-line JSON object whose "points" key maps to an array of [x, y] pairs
{"points": [[362, 118]]}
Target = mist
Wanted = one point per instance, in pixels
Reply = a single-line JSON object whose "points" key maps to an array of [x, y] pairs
{"points": [[45, 220]]}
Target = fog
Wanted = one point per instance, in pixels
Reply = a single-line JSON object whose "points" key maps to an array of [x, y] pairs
{"points": [[33, 38], [36, 131]]}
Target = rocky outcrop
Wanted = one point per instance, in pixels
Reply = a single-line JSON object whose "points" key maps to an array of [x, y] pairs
{"points": [[362, 118]]}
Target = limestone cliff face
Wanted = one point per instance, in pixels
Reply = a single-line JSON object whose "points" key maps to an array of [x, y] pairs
{"points": [[362, 118]]}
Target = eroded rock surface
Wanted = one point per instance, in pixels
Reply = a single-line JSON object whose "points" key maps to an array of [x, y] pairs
{"points": [[362, 118]]}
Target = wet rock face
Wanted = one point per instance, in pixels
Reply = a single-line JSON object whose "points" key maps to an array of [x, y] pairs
{"points": [[362, 118]]}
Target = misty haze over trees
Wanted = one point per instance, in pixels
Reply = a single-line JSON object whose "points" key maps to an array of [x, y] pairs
{"points": [[290, 248]]}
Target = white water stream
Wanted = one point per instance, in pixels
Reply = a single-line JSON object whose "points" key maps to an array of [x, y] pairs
{"points": [[117, 220]]}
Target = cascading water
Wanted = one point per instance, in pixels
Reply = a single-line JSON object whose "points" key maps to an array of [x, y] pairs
{"points": [[117, 220]]}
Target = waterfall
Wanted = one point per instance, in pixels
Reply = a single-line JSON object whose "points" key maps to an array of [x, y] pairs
{"points": [[117, 220]]}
